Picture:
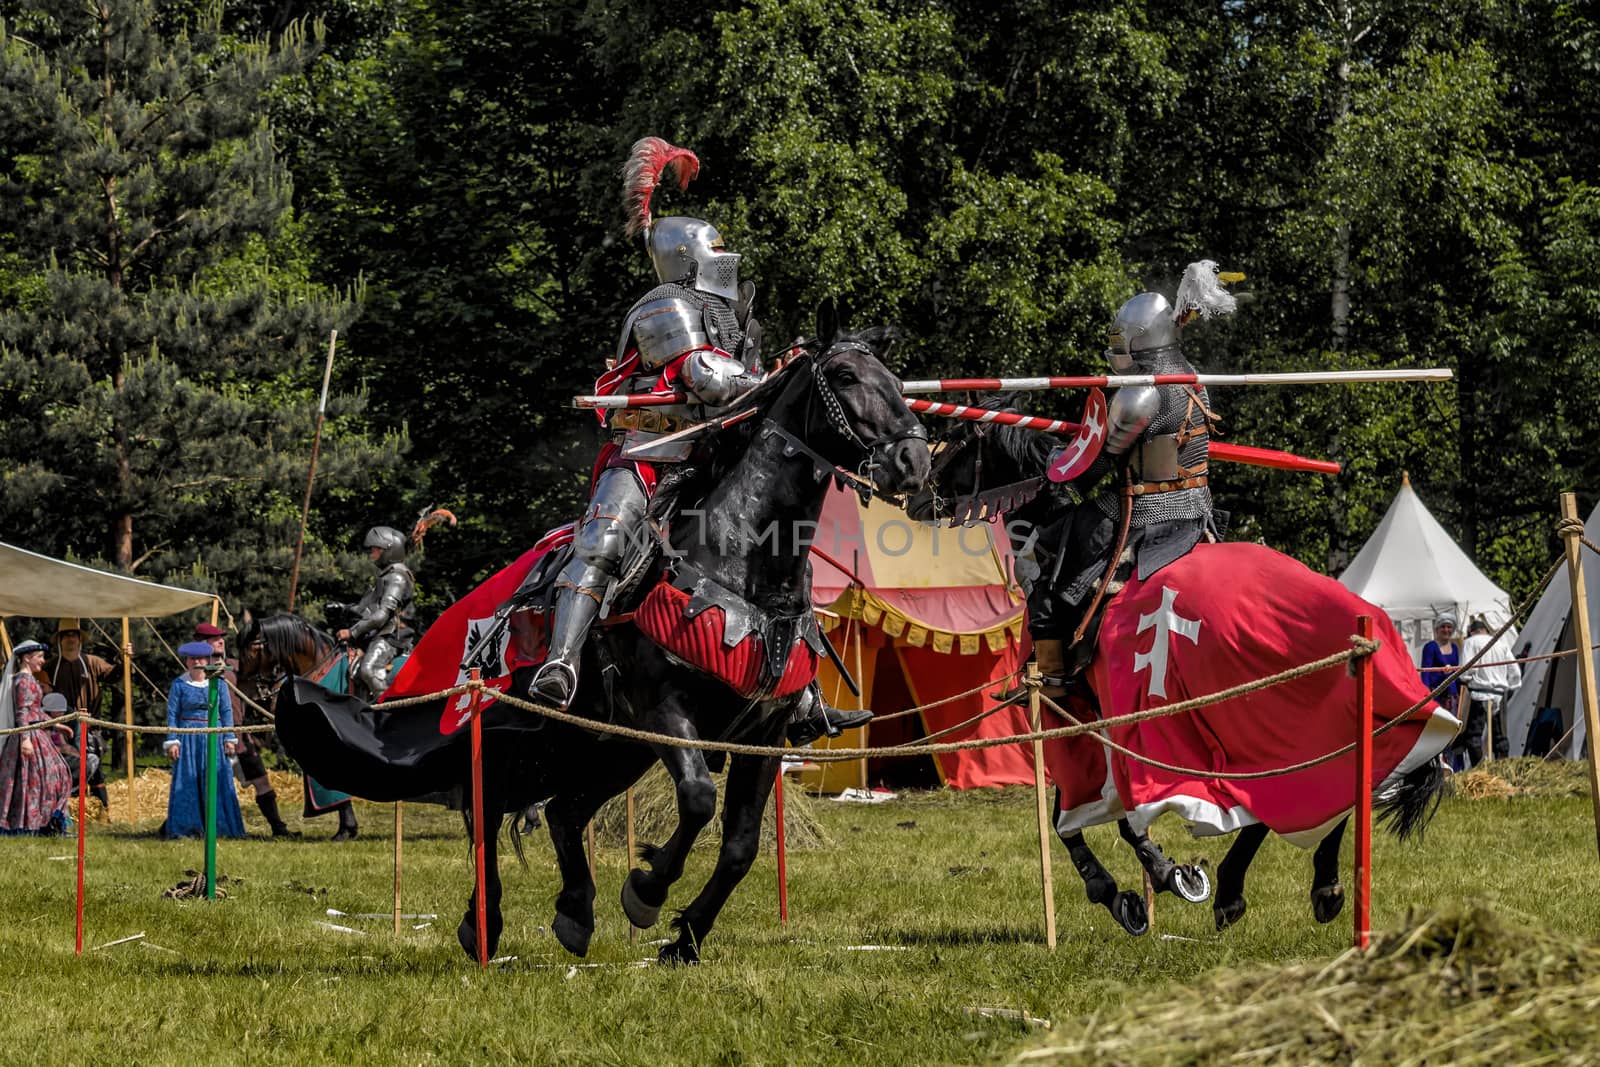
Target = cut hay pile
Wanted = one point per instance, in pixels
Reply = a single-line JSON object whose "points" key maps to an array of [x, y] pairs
{"points": [[1453, 987], [655, 814], [152, 785], [1524, 777]]}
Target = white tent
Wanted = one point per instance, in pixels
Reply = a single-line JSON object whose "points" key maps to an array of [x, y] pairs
{"points": [[1412, 569], [35, 585], [1554, 683]]}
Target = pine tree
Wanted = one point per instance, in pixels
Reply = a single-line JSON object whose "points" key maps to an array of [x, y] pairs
{"points": [[160, 343]]}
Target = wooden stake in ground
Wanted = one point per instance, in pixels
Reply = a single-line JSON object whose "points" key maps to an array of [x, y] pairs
{"points": [[1571, 534], [479, 856], [399, 819], [127, 713], [1362, 912], [633, 931], [1046, 831], [83, 818]]}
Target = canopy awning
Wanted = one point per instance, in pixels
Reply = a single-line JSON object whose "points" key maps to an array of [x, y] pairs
{"points": [[40, 587]]}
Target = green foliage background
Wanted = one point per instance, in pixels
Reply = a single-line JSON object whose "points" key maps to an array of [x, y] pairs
{"points": [[1403, 184]]}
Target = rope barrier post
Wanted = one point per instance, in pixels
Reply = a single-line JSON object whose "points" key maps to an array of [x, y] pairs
{"points": [[588, 834], [399, 817], [479, 856], [1048, 888], [1362, 913], [83, 819], [127, 714], [783, 852], [1571, 534], [213, 772], [633, 931]]}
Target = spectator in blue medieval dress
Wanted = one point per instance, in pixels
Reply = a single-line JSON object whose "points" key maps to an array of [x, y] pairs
{"points": [[187, 704], [34, 780], [1441, 656]]}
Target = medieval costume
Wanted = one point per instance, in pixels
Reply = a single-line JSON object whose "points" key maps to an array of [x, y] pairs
{"points": [[1153, 440], [694, 332], [188, 705], [34, 781], [76, 675], [253, 770]]}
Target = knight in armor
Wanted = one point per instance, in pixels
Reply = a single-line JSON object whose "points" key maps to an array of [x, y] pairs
{"points": [[381, 624], [1156, 504], [695, 332]]}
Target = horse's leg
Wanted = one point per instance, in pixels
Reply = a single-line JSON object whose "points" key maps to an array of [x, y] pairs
{"points": [[1327, 895], [567, 815], [1182, 879], [467, 932], [749, 783], [1127, 907], [645, 891], [1228, 907]]}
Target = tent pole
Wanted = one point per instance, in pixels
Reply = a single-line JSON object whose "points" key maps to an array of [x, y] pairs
{"points": [[399, 815], [1035, 681], [1571, 534], [5, 638], [861, 700], [127, 712]]}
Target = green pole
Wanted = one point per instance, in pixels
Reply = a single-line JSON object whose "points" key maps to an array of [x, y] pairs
{"points": [[213, 761]]}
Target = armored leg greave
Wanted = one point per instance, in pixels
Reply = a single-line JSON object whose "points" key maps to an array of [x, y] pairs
{"points": [[372, 672], [615, 515]]}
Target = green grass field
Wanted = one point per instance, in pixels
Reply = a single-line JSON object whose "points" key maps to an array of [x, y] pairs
{"points": [[947, 883]]}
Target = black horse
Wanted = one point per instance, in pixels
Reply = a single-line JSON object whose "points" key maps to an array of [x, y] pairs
{"points": [[759, 490], [984, 466]]}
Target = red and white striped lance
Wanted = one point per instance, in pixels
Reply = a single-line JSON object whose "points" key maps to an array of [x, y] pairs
{"points": [[1225, 453], [1103, 381], [1114, 381]]}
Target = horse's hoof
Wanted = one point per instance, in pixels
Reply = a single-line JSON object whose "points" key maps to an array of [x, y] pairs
{"points": [[682, 952], [572, 934], [1327, 901], [1128, 909], [1191, 883], [1228, 912], [467, 935], [643, 916]]}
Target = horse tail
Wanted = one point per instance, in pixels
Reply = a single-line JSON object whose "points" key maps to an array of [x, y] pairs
{"points": [[1406, 809]]}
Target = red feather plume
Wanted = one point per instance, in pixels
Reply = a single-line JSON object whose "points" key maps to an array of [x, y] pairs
{"points": [[648, 160]]}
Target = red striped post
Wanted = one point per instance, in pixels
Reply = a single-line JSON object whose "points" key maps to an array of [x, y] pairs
{"points": [[83, 818], [1364, 725], [783, 864], [479, 856]]}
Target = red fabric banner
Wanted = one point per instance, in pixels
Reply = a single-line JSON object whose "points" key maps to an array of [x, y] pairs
{"points": [[437, 661], [1225, 615]]}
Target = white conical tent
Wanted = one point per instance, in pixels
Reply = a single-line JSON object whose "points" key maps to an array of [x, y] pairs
{"points": [[1412, 569], [1553, 683]]}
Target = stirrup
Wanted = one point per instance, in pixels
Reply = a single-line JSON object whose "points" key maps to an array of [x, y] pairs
{"points": [[555, 683]]}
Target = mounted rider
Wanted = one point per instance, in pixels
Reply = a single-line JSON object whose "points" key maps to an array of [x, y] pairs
{"points": [[1154, 440], [383, 617], [694, 332]]}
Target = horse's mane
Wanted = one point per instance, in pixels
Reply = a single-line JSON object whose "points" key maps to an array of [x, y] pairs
{"points": [[282, 637], [1028, 449]]}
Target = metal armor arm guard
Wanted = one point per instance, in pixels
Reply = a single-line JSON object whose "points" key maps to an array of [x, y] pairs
{"points": [[716, 377], [391, 595], [1132, 409]]}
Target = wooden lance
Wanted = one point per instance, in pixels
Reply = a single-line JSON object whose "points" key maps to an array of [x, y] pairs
{"points": [[311, 475]]}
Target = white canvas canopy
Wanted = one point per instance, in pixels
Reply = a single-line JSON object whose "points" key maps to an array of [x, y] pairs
{"points": [[41, 587], [1412, 569], [1554, 683]]}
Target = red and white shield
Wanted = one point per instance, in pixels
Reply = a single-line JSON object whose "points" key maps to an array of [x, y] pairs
{"points": [[1073, 458]]}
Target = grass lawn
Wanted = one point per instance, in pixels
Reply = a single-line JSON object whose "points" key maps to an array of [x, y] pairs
{"points": [[946, 882]]}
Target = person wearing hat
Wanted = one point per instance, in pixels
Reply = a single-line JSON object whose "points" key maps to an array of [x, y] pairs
{"points": [[1441, 656], [34, 781], [187, 704], [76, 675], [250, 763]]}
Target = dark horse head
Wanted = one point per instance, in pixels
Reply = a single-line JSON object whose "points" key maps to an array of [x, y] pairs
{"points": [[277, 646], [979, 465]]}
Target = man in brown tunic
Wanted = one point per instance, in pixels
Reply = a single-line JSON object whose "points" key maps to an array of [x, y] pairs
{"points": [[76, 675]]}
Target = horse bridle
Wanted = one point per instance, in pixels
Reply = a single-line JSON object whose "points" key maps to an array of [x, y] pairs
{"points": [[860, 480]]}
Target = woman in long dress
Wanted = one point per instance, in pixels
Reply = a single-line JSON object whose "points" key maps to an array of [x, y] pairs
{"points": [[35, 783], [187, 703]]}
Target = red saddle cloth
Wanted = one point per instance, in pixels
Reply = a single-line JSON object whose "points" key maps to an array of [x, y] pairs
{"points": [[1222, 616], [698, 641]]}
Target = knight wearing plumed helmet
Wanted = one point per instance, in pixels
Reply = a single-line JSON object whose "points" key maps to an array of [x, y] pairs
{"points": [[380, 622], [1154, 440], [693, 333]]}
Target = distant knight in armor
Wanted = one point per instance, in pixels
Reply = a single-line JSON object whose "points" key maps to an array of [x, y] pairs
{"points": [[381, 620], [1154, 442], [694, 333]]}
